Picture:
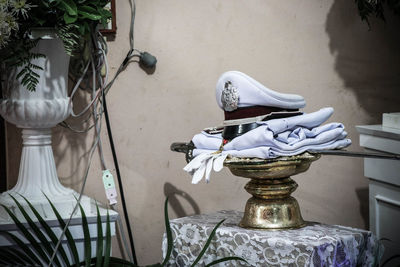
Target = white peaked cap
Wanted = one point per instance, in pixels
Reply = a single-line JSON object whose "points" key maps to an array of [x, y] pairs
{"points": [[249, 93]]}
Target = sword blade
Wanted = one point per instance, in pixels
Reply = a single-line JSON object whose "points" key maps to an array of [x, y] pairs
{"points": [[345, 153]]}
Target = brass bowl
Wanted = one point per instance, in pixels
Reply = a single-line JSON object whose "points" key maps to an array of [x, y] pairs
{"points": [[271, 206]]}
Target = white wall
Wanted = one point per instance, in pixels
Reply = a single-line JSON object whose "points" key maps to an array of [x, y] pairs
{"points": [[318, 49]]}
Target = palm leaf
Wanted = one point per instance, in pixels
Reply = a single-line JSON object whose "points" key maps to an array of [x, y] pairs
{"points": [[86, 235], [99, 254], [108, 242], [120, 262], [68, 235], [169, 233], [37, 232], [225, 259], [20, 255], [207, 244], [24, 247], [12, 259], [48, 231], [114, 262], [36, 246]]}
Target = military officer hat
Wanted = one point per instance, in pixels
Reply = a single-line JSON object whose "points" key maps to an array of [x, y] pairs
{"points": [[246, 102]]}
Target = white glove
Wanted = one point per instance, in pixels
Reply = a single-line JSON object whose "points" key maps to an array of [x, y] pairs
{"points": [[204, 163]]}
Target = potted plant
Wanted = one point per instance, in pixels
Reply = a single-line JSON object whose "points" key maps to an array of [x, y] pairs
{"points": [[42, 247], [37, 40]]}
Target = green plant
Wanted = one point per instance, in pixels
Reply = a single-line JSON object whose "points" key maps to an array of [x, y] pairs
{"points": [[40, 249], [73, 20], [367, 8]]}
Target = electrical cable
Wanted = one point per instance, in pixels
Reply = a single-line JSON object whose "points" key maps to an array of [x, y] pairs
{"points": [[111, 141], [132, 26], [102, 82], [76, 88], [95, 114], [122, 234], [95, 97], [121, 189], [91, 152], [131, 253], [68, 126], [114, 207]]}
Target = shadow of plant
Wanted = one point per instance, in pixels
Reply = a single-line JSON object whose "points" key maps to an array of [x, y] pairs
{"points": [[367, 60]]}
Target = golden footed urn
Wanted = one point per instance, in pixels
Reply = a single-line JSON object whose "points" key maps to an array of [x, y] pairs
{"points": [[271, 206]]}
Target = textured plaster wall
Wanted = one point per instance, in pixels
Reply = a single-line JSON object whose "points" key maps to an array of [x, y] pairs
{"points": [[318, 49]]}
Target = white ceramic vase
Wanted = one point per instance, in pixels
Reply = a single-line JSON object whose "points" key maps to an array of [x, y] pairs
{"points": [[36, 113]]}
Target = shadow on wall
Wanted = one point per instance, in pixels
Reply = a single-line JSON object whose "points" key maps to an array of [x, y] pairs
{"points": [[368, 61], [75, 150], [172, 192], [362, 195]]}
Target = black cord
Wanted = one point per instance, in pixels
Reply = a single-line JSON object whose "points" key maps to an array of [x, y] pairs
{"points": [[121, 190]]}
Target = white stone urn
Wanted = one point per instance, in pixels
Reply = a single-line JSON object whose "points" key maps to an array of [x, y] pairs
{"points": [[36, 113]]}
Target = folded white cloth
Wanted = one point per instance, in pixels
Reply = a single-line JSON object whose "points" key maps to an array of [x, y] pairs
{"points": [[261, 142], [309, 121], [274, 138]]}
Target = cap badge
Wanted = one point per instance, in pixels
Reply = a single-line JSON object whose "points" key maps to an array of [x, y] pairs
{"points": [[229, 97]]}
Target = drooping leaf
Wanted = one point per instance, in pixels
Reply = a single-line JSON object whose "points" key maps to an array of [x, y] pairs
{"points": [[99, 243], [68, 235], [10, 257], [24, 247], [105, 13], [113, 262], [88, 12], [86, 236], [168, 232], [120, 262], [36, 246], [48, 231], [70, 19], [207, 244], [68, 34], [107, 251], [225, 259], [155, 265], [37, 232], [22, 256], [69, 6]]}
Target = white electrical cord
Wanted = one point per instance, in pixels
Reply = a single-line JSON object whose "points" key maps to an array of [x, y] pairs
{"points": [[104, 88], [83, 185], [121, 232], [95, 114], [97, 143], [76, 88]]}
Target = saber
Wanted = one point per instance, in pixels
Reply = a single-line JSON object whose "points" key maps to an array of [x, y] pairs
{"points": [[345, 153], [187, 148]]}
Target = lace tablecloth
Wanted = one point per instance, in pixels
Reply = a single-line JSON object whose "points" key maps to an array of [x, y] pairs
{"points": [[314, 245]]}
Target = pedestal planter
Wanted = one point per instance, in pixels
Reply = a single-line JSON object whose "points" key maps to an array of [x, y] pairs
{"points": [[36, 113]]}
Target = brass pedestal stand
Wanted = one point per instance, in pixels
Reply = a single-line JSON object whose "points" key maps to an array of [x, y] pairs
{"points": [[271, 206]]}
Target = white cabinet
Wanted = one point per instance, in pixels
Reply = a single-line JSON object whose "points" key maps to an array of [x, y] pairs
{"points": [[384, 185]]}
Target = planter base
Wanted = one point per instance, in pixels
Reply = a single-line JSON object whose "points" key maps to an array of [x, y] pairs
{"points": [[64, 204]]}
